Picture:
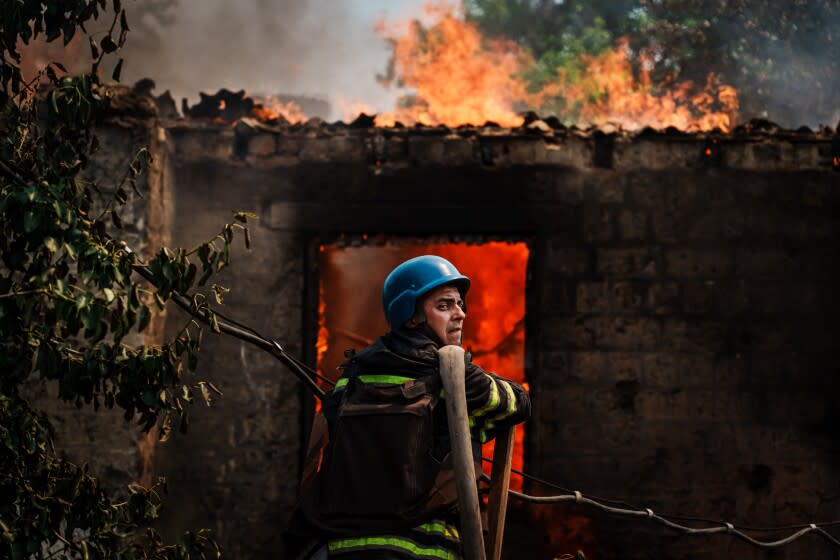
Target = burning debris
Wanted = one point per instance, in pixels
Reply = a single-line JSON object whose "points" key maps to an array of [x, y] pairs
{"points": [[227, 107]]}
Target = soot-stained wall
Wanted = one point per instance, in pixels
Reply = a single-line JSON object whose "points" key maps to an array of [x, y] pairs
{"points": [[681, 319]]}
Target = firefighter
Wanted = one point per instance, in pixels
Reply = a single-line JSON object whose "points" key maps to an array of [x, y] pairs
{"points": [[386, 487]]}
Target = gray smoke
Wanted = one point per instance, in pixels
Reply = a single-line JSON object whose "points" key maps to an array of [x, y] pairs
{"points": [[319, 48], [806, 85], [328, 49]]}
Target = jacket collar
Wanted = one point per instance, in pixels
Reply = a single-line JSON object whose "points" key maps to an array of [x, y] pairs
{"points": [[419, 343], [403, 348]]}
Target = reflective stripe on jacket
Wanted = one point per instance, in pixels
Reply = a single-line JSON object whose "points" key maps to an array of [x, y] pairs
{"points": [[493, 402], [436, 540]]}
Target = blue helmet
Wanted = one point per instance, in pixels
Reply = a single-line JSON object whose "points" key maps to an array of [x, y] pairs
{"points": [[411, 280]]}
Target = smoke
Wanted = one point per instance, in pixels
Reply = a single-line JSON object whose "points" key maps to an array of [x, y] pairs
{"points": [[319, 48], [804, 87], [328, 49]]}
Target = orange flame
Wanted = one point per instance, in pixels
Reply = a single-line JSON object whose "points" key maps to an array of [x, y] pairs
{"points": [[271, 108], [609, 93], [460, 77]]}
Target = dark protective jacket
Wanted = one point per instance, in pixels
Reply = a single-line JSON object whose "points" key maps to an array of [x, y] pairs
{"points": [[386, 470]]}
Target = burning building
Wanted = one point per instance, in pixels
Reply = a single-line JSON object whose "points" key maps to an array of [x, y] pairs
{"points": [[668, 297], [666, 290]]}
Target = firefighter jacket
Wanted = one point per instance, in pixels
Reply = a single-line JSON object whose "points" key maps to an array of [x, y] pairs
{"points": [[386, 480]]}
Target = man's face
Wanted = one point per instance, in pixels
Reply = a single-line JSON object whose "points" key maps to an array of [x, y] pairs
{"points": [[444, 313]]}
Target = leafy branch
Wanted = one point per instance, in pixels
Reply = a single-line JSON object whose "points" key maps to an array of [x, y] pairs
{"points": [[71, 308]]}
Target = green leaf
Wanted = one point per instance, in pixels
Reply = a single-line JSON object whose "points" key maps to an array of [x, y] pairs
{"points": [[185, 422], [192, 363], [205, 392], [144, 318], [109, 294], [165, 428], [214, 388], [31, 221], [245, 216], [51, 244], [218, 292], [214, 324], [115, 75], [123, 21]]}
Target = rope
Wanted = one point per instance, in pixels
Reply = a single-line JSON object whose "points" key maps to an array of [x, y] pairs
{"points": [[561, 488], [632, 507], [725, 527]]}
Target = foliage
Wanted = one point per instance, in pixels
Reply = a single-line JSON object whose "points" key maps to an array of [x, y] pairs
{"points": [[779, 55], [69, 302]]}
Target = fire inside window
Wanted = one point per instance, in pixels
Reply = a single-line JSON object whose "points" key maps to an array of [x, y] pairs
{"points": [[350, 309]]}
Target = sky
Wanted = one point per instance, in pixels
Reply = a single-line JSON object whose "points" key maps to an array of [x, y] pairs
{"points": [[321, 48]]}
